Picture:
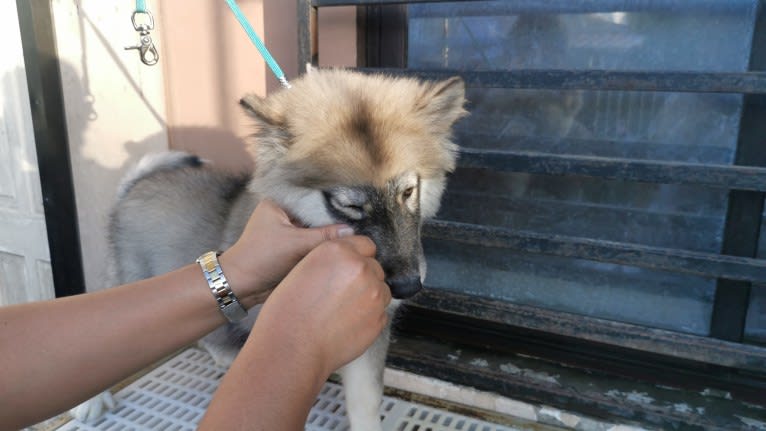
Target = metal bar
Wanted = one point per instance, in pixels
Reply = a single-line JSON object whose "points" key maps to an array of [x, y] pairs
{"points": [[50, 131], [743, 216], [684, 82], [320, 3], [307, 35], [732, 177], [683, 261], [659, 341], [385, 36], [505, 7]]}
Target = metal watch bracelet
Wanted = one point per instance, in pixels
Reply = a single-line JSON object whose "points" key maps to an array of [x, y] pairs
{"points": [[228, 303]]}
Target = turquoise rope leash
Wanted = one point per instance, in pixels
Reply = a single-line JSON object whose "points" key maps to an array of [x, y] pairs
{"points": [[257, 42], [140, 5]]}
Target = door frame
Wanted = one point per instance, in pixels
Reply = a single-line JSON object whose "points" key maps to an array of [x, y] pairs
{"points": [[52, 145]]}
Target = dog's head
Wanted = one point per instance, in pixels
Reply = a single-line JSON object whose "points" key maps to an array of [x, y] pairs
{"points": [[366, 150]]}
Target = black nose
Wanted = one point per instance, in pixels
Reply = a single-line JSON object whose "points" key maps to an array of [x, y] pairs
{"points": [[403, 287]]}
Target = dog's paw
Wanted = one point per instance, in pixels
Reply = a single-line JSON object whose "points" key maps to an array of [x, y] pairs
{"points": [[93, 408]]}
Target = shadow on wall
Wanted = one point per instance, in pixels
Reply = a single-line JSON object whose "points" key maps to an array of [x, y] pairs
{"points": [[226, 150], [215, 144], [220, 146], [100, 159]]}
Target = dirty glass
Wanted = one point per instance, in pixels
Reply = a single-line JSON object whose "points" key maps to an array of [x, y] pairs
{"points": [[700, 35]]}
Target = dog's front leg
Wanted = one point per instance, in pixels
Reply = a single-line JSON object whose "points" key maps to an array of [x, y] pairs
{"points": [[363, 383]]}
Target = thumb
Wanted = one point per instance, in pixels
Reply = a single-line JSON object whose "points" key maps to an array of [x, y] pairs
{"points": [[329, 232]]}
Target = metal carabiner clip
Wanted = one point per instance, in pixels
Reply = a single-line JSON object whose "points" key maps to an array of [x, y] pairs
{"points": [[147, 50], [142, 27]]}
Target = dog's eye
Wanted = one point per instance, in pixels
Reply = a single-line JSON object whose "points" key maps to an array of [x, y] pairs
{"points": [[407, 193]]}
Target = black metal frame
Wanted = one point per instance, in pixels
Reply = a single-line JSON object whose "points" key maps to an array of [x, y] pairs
{"points": [[51, 140], [721, 359]]}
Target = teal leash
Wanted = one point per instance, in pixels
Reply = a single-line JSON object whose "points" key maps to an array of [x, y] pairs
{"points": [[256, 41]]}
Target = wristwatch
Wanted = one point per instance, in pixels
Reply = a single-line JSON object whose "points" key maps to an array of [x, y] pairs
{"points": [[219, 286]]}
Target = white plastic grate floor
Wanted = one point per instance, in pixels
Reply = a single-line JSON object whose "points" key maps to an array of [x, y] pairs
{"points": [[175, 395]]}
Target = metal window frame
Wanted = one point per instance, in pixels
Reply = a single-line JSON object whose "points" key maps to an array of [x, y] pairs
{"points": [[745, 209], [450, 316]]}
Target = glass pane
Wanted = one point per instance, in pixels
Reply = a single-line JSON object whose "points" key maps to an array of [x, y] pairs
{"points": [[659, 215], [666, 35], [699, 128], [627, 35], [628, 294]]}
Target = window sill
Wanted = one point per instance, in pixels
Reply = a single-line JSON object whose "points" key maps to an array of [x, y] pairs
{"points": [[562, 395]]}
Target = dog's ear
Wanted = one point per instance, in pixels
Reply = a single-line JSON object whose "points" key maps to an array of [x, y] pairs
{"points": [[258, 109], [442, 102], [271, 136]]}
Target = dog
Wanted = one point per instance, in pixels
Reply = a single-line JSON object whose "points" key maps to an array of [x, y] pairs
{"points": [[370, 151]]}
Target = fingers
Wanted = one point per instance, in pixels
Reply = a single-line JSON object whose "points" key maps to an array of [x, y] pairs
{"points": [[323, 233], [333, 231], [317, 234], [360, 244]]}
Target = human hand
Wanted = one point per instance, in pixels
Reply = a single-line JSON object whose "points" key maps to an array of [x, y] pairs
{"points": [[331, 306], [325, 313], [267, 250]]}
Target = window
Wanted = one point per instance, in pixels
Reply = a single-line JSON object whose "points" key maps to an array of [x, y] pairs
{"points": [[661, 126], [609, 197]]}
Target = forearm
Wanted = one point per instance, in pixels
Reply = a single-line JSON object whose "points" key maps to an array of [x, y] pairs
{"points": [[270, 386], [58, 353], [326, 312]]}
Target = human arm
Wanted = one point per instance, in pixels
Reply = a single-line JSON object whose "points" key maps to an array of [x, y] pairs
{"points": [[56, 354], [325, 313]]}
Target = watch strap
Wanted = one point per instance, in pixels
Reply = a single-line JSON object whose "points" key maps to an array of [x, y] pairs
{"points": [[228, 303]]}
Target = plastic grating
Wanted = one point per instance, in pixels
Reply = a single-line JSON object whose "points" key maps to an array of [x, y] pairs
{"points": [[175, 395]]}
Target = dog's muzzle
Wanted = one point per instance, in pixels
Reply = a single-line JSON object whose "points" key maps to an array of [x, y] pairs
{"points": [[403, 287]]}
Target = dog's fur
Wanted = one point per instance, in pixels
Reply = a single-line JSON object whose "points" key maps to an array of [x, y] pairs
{"points": [[339, 147]]}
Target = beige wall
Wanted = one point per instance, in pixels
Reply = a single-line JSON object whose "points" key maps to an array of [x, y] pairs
{"points": [[115, 112], [337, 36], [119, 109], [210, 64]]}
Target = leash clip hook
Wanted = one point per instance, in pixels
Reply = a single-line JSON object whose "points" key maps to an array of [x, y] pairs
{"points": [[147, 50]]}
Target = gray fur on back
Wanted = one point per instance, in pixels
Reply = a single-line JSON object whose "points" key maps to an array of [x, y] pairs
{"points": [[152, 163], [171, 213]]}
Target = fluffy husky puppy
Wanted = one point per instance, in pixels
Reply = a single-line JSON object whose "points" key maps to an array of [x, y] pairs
{"points": [[338, 147]]}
